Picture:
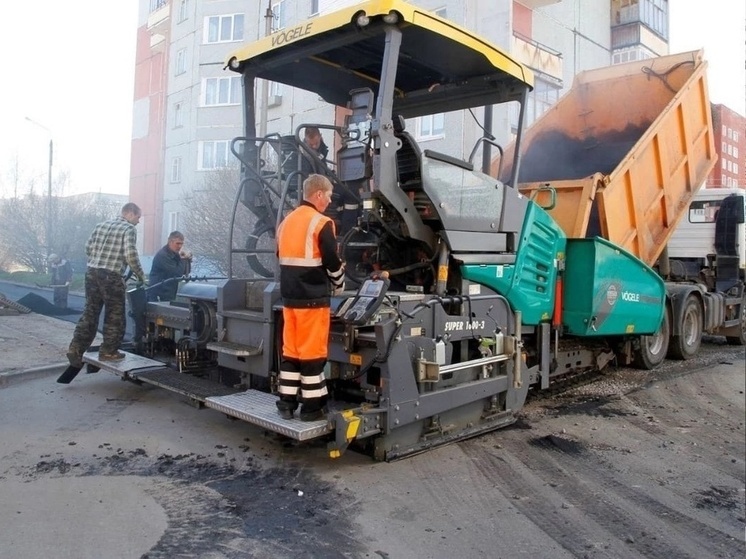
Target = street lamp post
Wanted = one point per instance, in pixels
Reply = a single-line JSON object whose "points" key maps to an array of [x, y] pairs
{"points": [[48, 228]]}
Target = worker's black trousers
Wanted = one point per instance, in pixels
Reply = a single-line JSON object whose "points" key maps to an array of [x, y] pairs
{"points": [[302, 381]]}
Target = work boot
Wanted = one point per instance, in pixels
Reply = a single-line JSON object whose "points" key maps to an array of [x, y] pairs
{"points": [[308, 413], [75, 359], [116, 356], [286, 409]]}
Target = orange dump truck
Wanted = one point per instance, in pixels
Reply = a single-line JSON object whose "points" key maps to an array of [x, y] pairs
{"points": [[620, 156]]}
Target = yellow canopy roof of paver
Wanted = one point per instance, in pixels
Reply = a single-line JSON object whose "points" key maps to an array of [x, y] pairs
{"points": [[441, 67]]}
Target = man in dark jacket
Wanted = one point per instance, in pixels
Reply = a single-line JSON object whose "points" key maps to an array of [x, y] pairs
{"points": [[344, 205], [62, 275], [172, 261]]}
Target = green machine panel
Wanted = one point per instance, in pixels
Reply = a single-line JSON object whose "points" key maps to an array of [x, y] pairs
{"points": [[529, 284], [608, 291]]}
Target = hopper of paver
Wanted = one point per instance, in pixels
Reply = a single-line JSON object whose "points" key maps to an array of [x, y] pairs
{"points": [[621, 154]]}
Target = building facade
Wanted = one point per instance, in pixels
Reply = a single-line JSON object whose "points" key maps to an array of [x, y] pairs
{"points": [[730, 140], [187, 107]]}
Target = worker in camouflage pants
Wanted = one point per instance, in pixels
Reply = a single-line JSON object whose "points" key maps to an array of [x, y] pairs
{"points": [[109, 250]]}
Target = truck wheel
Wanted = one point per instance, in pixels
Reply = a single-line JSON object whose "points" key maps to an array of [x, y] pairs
{"points": [[740, 340], [650, 351], [686, 345]]}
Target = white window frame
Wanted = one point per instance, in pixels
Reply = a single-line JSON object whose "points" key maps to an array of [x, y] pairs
{"points": [[279, 16], [173, 221], [215, 154], [735, 136], [221, 91], [722, 163], [178, 114], [156, 5], [183, 10], [428, 127], [176, 170], [735, 151], [275, 94], [235, 32], [180, 66], [735, 168]]}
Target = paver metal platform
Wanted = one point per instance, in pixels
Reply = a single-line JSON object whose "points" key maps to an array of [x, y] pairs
{"points": [[259, 408], [127, 366], [252, 406]]}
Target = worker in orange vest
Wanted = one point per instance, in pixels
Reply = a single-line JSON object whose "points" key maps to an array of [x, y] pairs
{"points": [[310, 272]]}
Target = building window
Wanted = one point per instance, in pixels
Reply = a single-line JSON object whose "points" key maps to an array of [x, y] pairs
{"points": [[224, 29], [178, 115], [180, 62], [725, 147], [735, 168], [725, 131], [176, 169], [735, 135], [279, 16], [730, 166], [157, 5], [275, 94], [173, 221], [314, 7], [441, 12], [215, 155], [654, 14], [735, 151], [221, 91], [183, 10], [431, 127], [730, 133], [730, 149], [722, 163]]}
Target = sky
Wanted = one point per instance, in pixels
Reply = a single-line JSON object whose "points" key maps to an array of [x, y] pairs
{"points": [[72, 70]]}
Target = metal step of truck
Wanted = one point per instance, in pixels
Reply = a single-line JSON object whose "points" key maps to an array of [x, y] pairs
{"points": [[129, 366], [233, 348], [150, 371], [196, 388], [259, 408]]}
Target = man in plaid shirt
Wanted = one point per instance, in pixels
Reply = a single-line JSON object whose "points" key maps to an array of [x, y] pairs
{"points": [[110, 249]]}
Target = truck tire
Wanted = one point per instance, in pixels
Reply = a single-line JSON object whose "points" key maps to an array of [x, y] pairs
{"points": [[650, 351], [686, 345], [741, 339]]}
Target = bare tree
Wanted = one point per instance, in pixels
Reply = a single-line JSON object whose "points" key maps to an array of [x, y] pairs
{"points": [[207, 221], [23, 226]]}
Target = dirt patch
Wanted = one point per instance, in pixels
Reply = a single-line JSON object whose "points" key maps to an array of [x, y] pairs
{"points": [[213, 503]]}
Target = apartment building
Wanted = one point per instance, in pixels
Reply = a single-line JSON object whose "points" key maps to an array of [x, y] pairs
{"points": [[186, 109], [730, 140]]}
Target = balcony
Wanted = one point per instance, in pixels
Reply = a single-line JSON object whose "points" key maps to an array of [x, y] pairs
{"points": [[653, 14], [537, 56], [533, 4], [159, 12]]}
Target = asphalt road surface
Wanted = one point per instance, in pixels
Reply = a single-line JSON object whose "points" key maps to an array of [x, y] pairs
{"points": [[631, 465], [75, 302]]}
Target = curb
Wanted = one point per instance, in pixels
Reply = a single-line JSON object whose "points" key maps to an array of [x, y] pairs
{"points": [[16, 377]]}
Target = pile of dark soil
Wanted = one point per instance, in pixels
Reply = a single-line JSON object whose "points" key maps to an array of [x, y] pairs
{"points": [[40, 305]]}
